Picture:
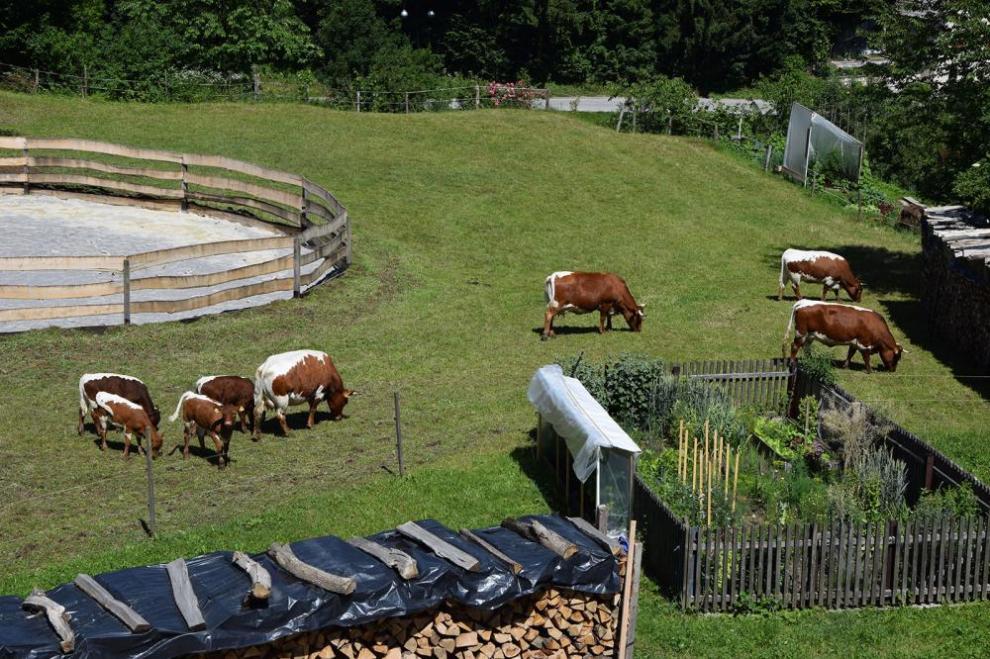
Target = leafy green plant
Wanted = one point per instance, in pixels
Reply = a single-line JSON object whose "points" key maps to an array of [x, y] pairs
{"points": [[957, 502], [818, 365], [777, 435]]}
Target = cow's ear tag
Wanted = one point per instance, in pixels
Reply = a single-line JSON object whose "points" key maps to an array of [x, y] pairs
{"points": [[348, 393]]}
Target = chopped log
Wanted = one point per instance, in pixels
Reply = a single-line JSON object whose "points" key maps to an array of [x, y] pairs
{"points": [[601, 538], [57, 617], [440, 547], [261, 580], [533, 530], [184, 595], [131, 618], [492, 549], [403, 563], [289, 562]]}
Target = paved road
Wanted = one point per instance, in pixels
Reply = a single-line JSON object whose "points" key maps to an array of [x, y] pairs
{"points": [[606, 104]]}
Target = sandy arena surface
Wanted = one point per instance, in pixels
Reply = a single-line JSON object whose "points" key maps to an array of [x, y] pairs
{"points": [[36, 225]]}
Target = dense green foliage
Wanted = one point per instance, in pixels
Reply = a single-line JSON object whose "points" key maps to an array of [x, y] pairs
{"points": [[715, 44]]}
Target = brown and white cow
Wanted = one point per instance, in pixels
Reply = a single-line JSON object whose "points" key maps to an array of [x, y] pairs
{"points": [[203, 415], [125, 386], [293, 378], [846, 325], [825, 268], [584, 292], [230, 390], [133, 418]]}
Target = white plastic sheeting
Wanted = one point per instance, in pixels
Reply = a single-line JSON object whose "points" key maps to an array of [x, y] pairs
{"points": [[584, 424], [598, 446], [825, 140]]}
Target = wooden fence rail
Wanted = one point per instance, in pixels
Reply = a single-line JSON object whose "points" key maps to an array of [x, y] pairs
{"points": [[309, 216]]}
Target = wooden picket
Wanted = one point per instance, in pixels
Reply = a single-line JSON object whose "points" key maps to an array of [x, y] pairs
{"points": [[837, 565]]}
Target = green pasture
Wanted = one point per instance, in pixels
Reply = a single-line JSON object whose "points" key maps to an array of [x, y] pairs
{"points": [[457, 218]]}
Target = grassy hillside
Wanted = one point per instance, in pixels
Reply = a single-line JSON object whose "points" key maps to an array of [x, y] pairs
{"points": [[457, 220]]}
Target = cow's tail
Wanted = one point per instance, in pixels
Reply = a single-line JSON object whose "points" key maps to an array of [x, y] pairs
{"points": [[178, 408], [548, 289], [783, 270], [259, 392], [790, 327], [83, 401]]}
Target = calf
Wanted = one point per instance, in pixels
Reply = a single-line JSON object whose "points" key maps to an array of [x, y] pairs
{"points": [[839, 324], [125, 386], [825, 268], [292, 378], [202, 415], [134, 420], [230, 390], [584, 292]]}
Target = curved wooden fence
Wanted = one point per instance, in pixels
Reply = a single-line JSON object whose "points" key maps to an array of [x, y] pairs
{"points": [[309, 216]]}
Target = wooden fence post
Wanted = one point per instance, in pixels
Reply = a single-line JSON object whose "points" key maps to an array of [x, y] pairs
{"points": [[929, 471], [635, 111], [618, 124], [407, 102], [398, 435], [184, 170], [477, 97], [546, 100], [602, 518], [37, 81], [357, 100], [296, 267], [152, 524], [27, 169], [256, 79], [670, 123], [85, 85], [766, 161], [127, 291]]}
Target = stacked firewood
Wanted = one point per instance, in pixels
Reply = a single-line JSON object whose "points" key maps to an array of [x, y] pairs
{"points": [[555, 623]]}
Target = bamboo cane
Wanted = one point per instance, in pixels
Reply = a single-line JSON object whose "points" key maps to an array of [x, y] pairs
{"points": [[735, 483], [709, 495], [680, 453], [728, 468], [694, 468]]}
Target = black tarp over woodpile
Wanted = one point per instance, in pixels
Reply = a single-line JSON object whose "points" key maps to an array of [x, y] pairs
{"points": [[956, 280], [296, 606]]}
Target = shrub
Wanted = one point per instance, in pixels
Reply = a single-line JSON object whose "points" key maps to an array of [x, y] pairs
{"points": [[851, 430], [818, 365], [956, 502], [879, 481], [625, 386]]}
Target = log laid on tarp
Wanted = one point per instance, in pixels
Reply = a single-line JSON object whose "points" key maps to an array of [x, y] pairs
{"points": [[57, 616], [403, 563], [261, 580], [440, 547], [492, 549], [289, 562], [601, 538], [184, 595], [533, 530], [121, 611]]}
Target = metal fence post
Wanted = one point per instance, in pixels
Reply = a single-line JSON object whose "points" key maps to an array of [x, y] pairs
{"points": [[152, 524], [127, 290], [398, 435]]}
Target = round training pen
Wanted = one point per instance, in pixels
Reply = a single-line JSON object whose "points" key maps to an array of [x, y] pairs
{"points": [[102, 234]]}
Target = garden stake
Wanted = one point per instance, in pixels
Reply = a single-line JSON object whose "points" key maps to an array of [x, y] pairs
{"points": [[735, 483], [709, 497], [728, 468], [694, 469]]}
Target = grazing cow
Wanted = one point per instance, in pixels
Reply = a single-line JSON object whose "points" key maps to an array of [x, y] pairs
{"points": [[230, 390], [292, 378], [825, 268], [201, 414], [839, 324], [134, 420], [584, 292], [125, 386]]}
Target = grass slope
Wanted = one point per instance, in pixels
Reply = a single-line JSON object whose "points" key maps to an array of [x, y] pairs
{"points": [[457, 219]]}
